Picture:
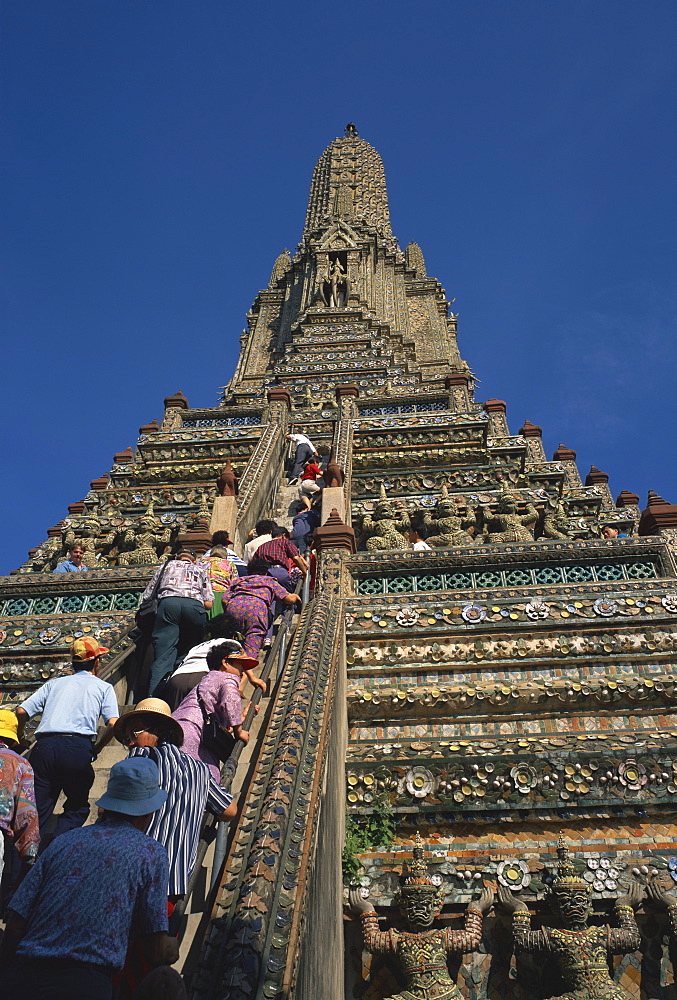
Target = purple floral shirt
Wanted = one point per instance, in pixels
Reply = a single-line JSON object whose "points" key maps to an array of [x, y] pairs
{"points": [[220, 695]]}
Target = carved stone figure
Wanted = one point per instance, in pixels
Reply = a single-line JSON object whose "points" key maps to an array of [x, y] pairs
{"points": [[144, 542], [422, 951], [447, 525], [506, 525], [226, 484], [384, 530], [581, 952], [667, 900], [555, 521], [334, 288], [46, 557]]}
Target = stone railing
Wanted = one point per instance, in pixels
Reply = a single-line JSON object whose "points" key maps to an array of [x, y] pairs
{"points": [[259, 481], [279, 904]]}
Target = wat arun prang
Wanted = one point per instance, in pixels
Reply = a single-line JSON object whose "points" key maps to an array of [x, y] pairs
{"points": [[510, 686]]}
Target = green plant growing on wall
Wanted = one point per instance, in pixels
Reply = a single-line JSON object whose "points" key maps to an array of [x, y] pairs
{"points": [[367, 833]]}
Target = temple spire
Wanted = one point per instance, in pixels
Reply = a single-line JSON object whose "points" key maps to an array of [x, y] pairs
{"points": [[349, 183]]}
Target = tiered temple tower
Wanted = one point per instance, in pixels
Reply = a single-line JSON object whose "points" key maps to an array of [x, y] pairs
{"points": [[514, 681]]}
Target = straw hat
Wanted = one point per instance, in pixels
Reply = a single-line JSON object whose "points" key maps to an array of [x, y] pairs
{"points": [[160, 713]]}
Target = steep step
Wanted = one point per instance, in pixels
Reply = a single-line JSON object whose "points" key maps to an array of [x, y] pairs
{"points": [[287, 497]]}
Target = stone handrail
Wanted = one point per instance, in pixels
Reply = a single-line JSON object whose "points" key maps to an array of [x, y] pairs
{"points": [[270, 866], [259, 481]]}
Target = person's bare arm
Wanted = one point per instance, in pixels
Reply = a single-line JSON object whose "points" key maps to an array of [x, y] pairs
{"points": [[229, 813], [241, 734], [253, 680], [22, 718], [301, 563], [208, 605], [292, 599], [160, 948], [106, 736]]}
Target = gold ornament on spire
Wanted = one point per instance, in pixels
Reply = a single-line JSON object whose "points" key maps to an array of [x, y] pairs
{"points": [[567, 880]]}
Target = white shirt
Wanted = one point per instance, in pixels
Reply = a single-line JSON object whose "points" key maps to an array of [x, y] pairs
{"points": [[301, 439], [420, 546], [196, 658], [253, 544]]}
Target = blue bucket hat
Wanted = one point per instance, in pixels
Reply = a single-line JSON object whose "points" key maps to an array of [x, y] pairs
{"points": [[133, 788]]}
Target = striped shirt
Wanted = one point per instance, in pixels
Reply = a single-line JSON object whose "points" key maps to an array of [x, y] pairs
{"points": [[176, 825]]}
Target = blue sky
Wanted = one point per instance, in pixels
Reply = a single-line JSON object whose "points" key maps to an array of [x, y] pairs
{"points": [[156, 157]]}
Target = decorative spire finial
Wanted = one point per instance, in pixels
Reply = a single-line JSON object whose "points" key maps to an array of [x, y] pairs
{"points": [[567, 880], [415, 877], [351, 130]]}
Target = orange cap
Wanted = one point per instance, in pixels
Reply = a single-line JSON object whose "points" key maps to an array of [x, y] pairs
{"points": [[86, 649]]}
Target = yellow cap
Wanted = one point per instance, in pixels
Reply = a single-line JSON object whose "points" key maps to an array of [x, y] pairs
{"points": [[9, 725]]}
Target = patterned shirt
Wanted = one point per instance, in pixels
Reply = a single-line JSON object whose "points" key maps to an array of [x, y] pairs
{"points": [[220, 694], [263, 587], [279, 551], [181, 578], [221, 573], [89, 890], [176, 825], [18, 815]]}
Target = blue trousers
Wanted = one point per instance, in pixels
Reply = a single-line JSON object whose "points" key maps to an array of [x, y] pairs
{"points": [[57, 979], [302, 454], [179, 625], [62, 764]]}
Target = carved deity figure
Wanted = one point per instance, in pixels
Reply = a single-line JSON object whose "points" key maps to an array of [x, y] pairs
{"points": [[384, 530], [334, 288], [143, 543], [580, 951], [448, 525], [668, 900], [555, 522], [422, 950], [506, 525], [46, 557]]}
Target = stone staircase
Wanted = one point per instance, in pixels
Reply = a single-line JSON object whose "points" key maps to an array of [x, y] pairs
{"points": [[287, 506]]}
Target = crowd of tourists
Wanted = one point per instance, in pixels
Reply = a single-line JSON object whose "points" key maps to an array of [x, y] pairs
{"points": [[87, 907]]}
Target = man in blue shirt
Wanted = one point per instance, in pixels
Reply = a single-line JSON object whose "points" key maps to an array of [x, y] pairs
{"points": [[74, 563], [70, 921], [65, 747]]}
